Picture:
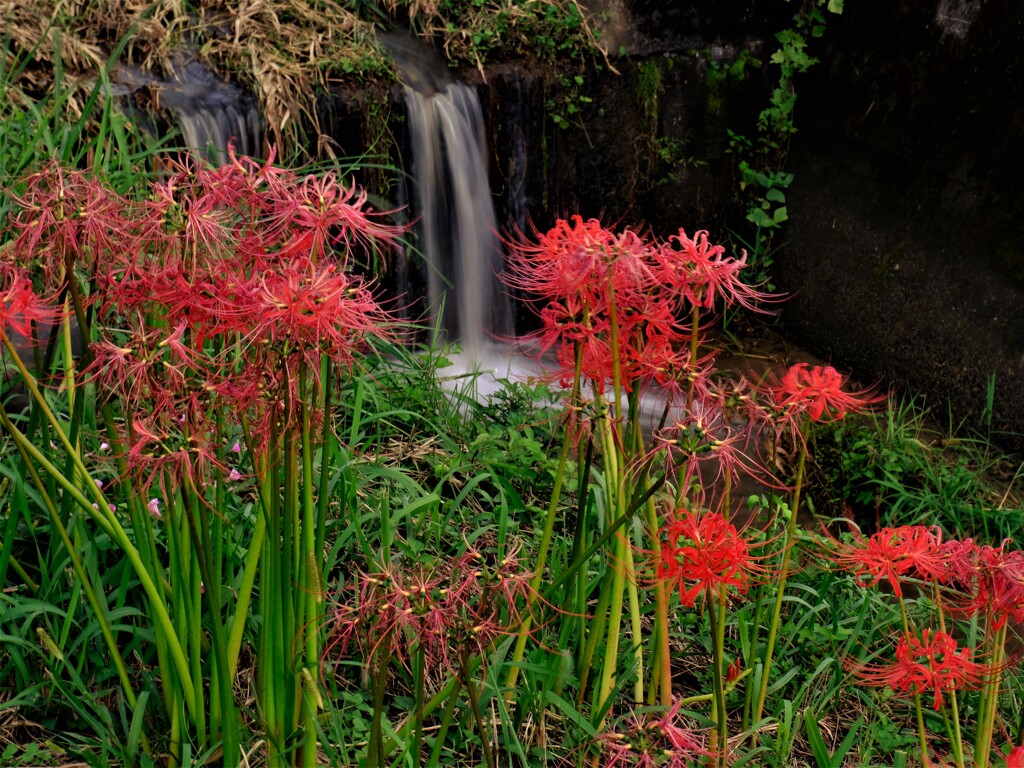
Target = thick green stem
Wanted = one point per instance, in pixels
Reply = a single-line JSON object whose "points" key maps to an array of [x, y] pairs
{"points": [[990, 702], [417, 731], [312, 594], [545, 542], [716, 613], [773, 629], [467, 681]]}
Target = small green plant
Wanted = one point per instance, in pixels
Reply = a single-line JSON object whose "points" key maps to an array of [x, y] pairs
{"points": [[895, 468], [565, 106], [761, 160]]}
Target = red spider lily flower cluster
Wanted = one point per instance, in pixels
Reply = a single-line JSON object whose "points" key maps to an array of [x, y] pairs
{"points": [[932, 664], [818, 391], [703, 554], [717, 436], [1016, 758], [617, 299], [221, 293], [975, 580], [644, 742], [462, 604], [25, 315]]}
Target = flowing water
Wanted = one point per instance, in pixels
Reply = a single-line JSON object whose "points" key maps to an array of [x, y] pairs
{"points": [[209, 111], [458, 230]]}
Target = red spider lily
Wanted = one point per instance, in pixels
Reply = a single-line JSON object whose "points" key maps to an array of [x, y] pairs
{"points": [[175, 441], [571, 259], [465, 603], [818, 391], [317, 308], [932, 663], [671, 367], [245, 183], [1016, 758], [643, 742], [701, 273], [709, 439], [65, 215], [998, 585], [198, 219], [705, 554], [892, 554], [601, 297], [319, 212], [24, 314]]}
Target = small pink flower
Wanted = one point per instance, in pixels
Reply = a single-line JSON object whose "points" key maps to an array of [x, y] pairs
{"points": [[104, 447], [236, 448], [234, 475], [154, 508]]}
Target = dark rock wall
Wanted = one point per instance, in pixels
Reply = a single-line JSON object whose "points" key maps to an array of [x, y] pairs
{"points": [[905, 248]]}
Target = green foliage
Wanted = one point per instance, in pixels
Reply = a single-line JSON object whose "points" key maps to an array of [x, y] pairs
{"points": [[568, 101], [61, 125], [481, 30], [761, 160], [895, 469]]}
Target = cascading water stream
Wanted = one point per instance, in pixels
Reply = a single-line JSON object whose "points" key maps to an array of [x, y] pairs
{"points": [[459, 229], [210, 111], [457, 225]]}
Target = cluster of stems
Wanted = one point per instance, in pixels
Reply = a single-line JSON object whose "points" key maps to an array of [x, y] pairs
{"points": [[218, 313]]}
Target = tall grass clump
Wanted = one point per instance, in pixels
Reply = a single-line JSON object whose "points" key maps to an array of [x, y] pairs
{"points": [[219, 312]]}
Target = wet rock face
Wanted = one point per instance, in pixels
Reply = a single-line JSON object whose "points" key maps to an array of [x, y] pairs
{"points": [[905, 249]]}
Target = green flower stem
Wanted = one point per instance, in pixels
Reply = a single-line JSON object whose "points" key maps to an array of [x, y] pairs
{"points": [[239, 620], [222, 711], [186, 599], [661, 671], [417, 730], [446, 722], [109, 523], [611, 659], [312, 594], [474, 703], [694, 344], [271, 650], [618, 571], [613, 427], [989, 704], [596, 625], [716, 613], [922, 734], [545, 542], [376, 751], [635, 628], [956, 739], [773, 629]]}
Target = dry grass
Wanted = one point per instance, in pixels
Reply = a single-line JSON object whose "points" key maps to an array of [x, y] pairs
{"points": [[285, 51]]}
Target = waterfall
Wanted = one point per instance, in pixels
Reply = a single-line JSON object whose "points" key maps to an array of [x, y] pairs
{"points": [[458, 227], [458, 231], [209, 110]]}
